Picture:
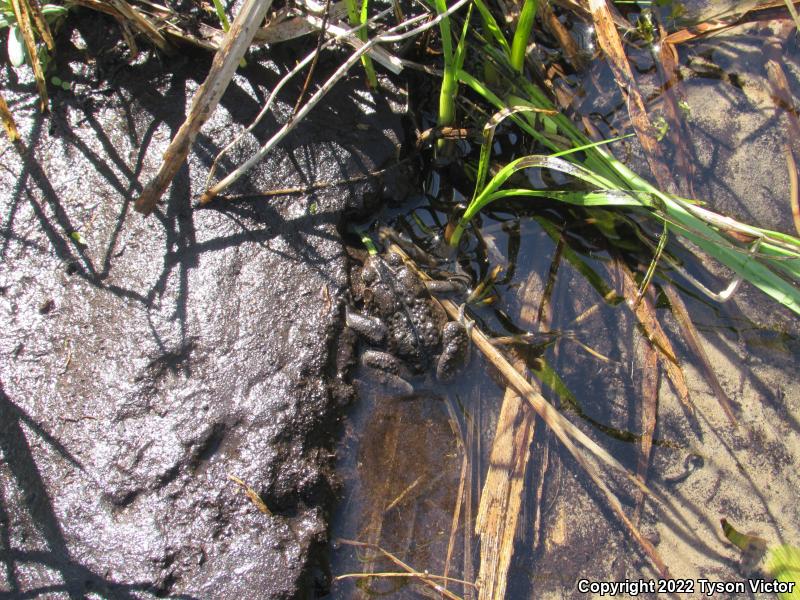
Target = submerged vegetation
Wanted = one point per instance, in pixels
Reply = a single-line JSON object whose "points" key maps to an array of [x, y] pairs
{"points": [[627, 238]]}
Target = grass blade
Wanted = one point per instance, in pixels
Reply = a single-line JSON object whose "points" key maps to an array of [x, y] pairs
{"points": [[522, 34]]}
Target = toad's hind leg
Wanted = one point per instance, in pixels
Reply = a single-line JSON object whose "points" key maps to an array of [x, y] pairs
{"points": [[455, 348], [388, 370]]}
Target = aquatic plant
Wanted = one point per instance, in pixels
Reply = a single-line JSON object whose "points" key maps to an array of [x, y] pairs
{"points": [[766, 260], [781, 561], [358, 18], [453, 60], [522, 34]]}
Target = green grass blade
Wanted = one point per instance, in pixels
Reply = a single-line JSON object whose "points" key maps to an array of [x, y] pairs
{"points": [[581, 266], [522, 34], [223, 18], [447, 93], [492, 27], [372, 78]]}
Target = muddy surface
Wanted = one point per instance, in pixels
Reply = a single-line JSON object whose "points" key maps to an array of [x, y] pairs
{"points": [[145, 361]]}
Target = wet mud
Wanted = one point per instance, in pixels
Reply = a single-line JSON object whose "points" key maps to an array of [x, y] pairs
{"points": [[147, 361]]}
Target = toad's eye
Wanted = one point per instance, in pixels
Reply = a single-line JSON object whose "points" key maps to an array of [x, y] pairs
{"points": [[369, 275], [394, 260]]}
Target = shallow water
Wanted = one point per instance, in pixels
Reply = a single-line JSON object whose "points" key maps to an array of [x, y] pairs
{"points": [[413, 469]]}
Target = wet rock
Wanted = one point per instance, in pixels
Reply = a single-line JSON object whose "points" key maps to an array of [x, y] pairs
{"points": [[145, 361]]}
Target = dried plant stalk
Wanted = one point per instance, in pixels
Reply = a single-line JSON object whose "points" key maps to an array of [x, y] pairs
{"points": [[611, 44], [794, 188], [692, 340], [423, 577], [501, 500], [571, 51], [645, 314], [648, 416], [23, 16], [126, 13], [8, 121], [667, 65], [41, 25]]}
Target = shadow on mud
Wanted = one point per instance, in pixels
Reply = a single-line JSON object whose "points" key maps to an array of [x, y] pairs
{"points": [[146, 363]]}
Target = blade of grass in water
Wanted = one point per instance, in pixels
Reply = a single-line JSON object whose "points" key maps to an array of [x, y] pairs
{"points": [[661, 207], [358, 16], [522, 34], [492, 27], [622, 187]]}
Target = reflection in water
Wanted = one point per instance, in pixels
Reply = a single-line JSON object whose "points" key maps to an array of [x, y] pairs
{"points": [[647, 399], [403, 479]]}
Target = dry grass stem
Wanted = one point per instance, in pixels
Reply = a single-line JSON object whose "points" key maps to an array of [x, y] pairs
{"points": [[611, 44], [143, 24], [451, 542], [8, 121], [253, 495], [390, 574], [693, 341], [127, 14], [666, 60], [794, 188], [320, 40], [647, 418], [501, 500], [645, 314], [541, 474], [468, 502], [22, 14], [571, 51], [41, 25], [402, 496]]}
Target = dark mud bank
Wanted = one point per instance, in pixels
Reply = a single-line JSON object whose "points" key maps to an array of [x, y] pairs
{"points": [[145, 361]]}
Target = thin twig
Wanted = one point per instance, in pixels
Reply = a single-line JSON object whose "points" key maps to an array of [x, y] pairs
{"points": [[315, 60], [274, 94], [393, 574]]}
